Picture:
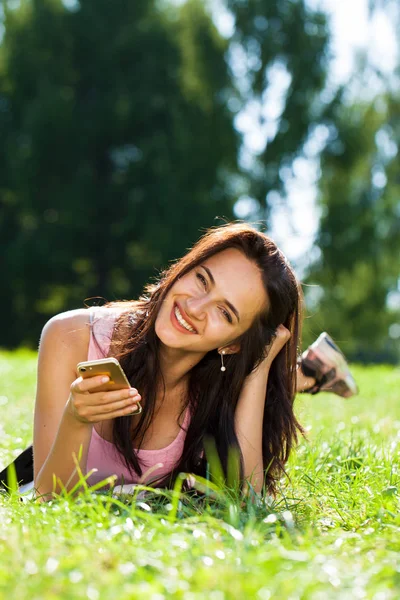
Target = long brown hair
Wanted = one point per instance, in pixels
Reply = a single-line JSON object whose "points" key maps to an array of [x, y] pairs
{"points": [[212, 398]]}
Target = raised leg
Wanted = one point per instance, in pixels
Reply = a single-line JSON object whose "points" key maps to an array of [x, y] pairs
{"points": [[303, 383], [323, 368]]}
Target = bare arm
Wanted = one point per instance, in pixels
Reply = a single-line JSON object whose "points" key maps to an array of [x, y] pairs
{"points": [[63, 344], [66, 407], [250, 413]]}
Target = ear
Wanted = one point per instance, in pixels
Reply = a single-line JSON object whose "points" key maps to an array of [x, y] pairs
{"points": [[231, 349]]}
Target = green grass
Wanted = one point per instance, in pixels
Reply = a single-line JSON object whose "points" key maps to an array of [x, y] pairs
{"points": [[333, 532]]}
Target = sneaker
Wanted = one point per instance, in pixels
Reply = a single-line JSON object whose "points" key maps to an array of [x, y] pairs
{"points": [[324, 361]]}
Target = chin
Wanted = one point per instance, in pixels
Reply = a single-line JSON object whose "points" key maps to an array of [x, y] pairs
{"points": [[166, 334]]}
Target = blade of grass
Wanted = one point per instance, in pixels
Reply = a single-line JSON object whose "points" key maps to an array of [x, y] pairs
{"points": [[176, 494], [12, 481], [216, 471]]}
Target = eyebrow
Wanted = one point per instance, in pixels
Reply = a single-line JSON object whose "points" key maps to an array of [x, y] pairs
{"points": [[229, 304]]}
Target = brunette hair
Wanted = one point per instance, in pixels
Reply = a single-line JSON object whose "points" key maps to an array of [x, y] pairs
{"points": [[212, 398]]}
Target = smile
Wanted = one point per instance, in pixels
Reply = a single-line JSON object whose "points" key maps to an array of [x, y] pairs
{"points": [[178, 315]]}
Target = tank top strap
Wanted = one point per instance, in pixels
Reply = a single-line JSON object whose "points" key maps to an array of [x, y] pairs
{"points": [[101, 324]]}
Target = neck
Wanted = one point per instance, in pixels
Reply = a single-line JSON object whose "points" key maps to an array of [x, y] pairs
{"points": [[176, 364]]}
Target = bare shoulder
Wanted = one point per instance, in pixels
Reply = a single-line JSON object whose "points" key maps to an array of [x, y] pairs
{"points": [[65, 337], [67, 328]]}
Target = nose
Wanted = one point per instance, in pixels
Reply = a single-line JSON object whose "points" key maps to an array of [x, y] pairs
{"points": [[196, 307]]}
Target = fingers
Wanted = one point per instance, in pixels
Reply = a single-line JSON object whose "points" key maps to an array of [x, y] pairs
{"points": [[117, 413], [80, 385], [88, 388], [90, 406], [103, 398], [282, 334], [281, 337], [92, 413], [106, 409]]}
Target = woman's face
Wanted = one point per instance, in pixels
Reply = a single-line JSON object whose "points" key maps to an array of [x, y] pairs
{"points": [[212, 305]]}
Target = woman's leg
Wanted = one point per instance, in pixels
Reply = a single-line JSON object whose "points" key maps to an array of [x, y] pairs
{"points": [[304, 383], [323, 368], [23, 465]]}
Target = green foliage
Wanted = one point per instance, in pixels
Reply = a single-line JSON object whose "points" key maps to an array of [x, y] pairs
{"points": [[359, 236], [281, 41], [118, 140], [116, 143]]}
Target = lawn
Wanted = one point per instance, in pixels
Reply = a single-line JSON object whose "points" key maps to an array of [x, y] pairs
{"points": [[333, 531]]}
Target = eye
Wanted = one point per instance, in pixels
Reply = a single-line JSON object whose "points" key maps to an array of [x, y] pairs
{"points": [[226, 315], [202, 279]]}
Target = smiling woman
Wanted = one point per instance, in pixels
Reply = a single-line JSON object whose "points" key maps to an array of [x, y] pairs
{"points": [[228, 295], [197, 302], [210, 351]]}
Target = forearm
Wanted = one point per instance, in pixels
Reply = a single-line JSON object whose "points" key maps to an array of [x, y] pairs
{"points": [[249, 425], [72, 436]]}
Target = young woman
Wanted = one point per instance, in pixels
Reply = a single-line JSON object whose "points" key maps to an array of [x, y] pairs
{"points": [[210, 352]]}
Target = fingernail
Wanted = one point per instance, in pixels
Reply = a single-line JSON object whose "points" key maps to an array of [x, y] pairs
{"points": [[132, 392], [105, 379]]}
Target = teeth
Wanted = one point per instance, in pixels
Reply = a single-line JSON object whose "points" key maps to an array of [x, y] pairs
{"points": [[182, 321]]}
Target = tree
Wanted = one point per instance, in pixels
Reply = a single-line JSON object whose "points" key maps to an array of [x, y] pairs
{"points": [[118, 139], [359, 237], [116, 143], [282, 44], [358, 271]]}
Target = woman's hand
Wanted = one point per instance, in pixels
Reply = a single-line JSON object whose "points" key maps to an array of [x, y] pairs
{"points": [[88, 406], [282, 335], [249, 412]]}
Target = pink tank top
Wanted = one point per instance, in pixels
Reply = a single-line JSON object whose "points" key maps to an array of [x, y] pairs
{"points": [[103, 455]]}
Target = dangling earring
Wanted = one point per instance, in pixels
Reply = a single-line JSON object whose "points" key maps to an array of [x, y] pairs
{"points": [[223, 368]]}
